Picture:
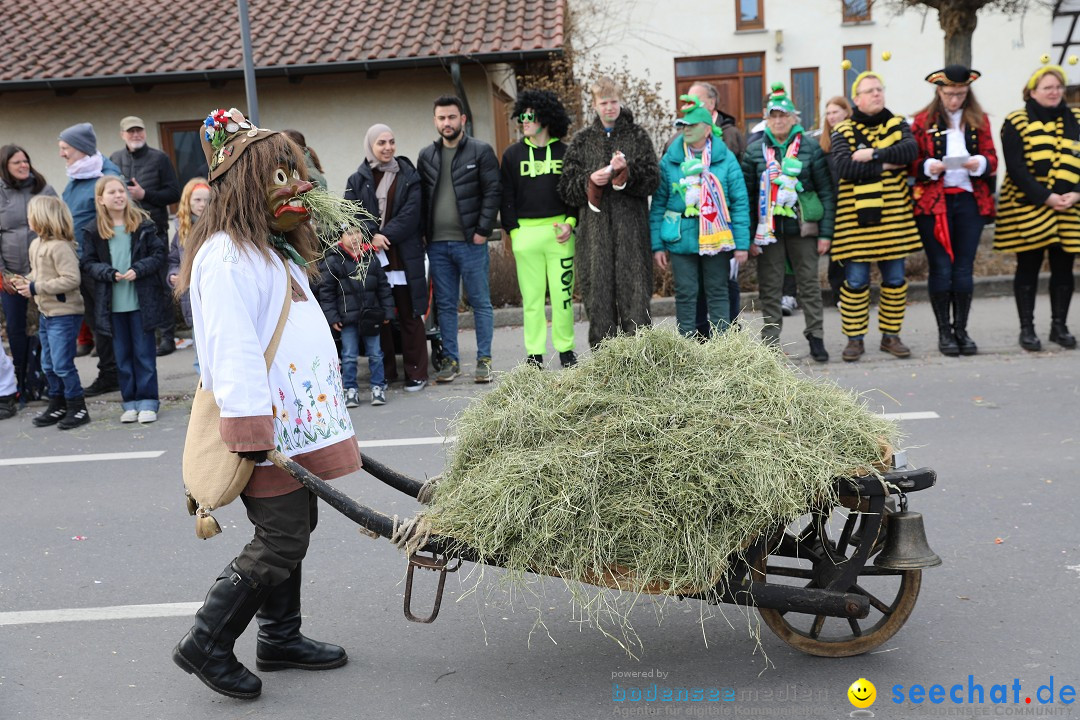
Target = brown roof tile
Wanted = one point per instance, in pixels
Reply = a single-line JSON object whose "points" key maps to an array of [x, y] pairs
{"points": [[88, 42]]}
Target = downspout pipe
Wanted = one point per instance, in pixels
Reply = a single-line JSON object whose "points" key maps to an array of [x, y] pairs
{"points": [[455, 77]]}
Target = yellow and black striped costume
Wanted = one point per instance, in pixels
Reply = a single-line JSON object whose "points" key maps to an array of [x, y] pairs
{"points": [[887, 230], [1053, 161]]}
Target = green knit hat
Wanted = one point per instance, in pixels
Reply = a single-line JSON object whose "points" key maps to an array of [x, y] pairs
{"points": [[779, 100]]}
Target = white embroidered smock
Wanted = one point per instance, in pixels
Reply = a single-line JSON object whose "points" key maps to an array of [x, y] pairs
{"points": [[236, 300]]}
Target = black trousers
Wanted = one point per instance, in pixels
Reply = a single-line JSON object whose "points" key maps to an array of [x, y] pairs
{"points": [[106, 363], [283, 527]]}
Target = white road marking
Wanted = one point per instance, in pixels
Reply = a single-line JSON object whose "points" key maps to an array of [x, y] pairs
{"points": [[931, 415], [407, 441], [149, 454], [114, 612]]}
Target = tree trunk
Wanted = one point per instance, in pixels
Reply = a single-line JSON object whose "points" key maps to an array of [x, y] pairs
{"points": [[958, 20]]}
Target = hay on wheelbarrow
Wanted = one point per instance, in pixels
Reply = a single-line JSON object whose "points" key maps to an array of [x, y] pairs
{"points": [[652, 463]]}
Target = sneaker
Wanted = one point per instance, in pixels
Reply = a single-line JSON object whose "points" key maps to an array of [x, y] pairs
{"points": [[352, 398], [568, 358], [853, 351], [448, 371], [536, 361], [378, 395], [415, 385], [147, 416], [130, 416], [100, 387], [167, 346], [483, 370], [817, 349], [788, 305], [892, 345]]}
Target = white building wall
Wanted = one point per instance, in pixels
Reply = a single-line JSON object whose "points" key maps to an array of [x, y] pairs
{"points": [[333, 112], [651, 35]]}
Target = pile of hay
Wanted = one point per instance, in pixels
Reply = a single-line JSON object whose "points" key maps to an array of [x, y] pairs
{"points": [[654, 460]]}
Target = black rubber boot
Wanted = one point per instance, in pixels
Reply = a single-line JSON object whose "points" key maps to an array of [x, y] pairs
{"points": [[53, 414], [207, 649], [9, 406], [946, 341], [280, 643], [1060, 297], [1025, 309], [961, 303], [76, 415]]}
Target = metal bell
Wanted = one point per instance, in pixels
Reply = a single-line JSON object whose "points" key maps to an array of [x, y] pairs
{"points": [[905, 544]]}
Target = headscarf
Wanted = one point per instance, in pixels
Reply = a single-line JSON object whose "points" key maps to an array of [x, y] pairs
{"points": [[388, 169]]}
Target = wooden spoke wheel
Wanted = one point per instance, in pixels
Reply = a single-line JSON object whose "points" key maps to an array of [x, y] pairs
{"points": [[813, 552]]}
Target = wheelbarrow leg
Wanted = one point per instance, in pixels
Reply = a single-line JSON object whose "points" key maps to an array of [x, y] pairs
{"points": [[434, 562]]}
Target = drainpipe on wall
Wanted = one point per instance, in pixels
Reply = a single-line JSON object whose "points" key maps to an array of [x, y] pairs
{"points": [[455, 77], [249, 64]]}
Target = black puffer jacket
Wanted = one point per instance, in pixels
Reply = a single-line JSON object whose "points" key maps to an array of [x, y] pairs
{"points": [[477, 184], [148, 258], [347, 300], [403, 229], [154, 172]]}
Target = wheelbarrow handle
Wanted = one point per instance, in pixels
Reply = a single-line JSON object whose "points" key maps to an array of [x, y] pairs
{"points": [[362, 515]]}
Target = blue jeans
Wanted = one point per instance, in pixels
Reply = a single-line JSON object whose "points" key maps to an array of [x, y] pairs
{"points": [[453, 263], [57, 336], [136, 361], [965, 229], [857, 274], [350, 350]]}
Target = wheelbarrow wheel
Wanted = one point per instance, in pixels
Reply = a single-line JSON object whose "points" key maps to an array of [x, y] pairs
{"points": [[811, 553]]}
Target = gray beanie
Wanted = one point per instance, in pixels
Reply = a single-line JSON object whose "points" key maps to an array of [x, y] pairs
{"points": [[81, 137]]}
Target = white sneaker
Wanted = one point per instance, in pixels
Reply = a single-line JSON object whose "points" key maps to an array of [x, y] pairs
{"points": [[788, 305], [378, 396], [130, 416], [352, 398], [147, 416]]}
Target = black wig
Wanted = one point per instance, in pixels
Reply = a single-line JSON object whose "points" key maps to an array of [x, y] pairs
{"points": [[549, 111]]}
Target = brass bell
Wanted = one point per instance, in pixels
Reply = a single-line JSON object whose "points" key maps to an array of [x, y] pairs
{"points": [[905, 544]]}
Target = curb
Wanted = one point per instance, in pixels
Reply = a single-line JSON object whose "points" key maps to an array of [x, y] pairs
{"points": [[991, 286]]}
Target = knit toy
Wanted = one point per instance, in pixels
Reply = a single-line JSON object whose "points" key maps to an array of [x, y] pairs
{"points": [[689, 186], [788, 187]]}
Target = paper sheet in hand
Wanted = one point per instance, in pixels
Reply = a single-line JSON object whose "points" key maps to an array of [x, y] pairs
{"points": [[955, 162]]}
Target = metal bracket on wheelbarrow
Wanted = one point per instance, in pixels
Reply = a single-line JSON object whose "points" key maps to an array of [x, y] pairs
{"points": [[427, 562]]}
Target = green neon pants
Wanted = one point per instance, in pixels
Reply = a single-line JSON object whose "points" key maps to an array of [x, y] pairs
{"points": [[545, 266]]}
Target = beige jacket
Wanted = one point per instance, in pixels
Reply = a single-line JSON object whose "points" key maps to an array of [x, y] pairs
{"points": [[55, 277]]}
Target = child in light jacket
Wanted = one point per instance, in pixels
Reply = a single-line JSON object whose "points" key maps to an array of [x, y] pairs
{"points": [[53, 283]]}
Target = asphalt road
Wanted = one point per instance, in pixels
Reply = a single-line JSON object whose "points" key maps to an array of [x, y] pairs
{"points": [[82, 535]]}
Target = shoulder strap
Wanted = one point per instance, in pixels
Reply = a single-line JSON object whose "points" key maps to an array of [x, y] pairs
{"points": [[271, 350]]}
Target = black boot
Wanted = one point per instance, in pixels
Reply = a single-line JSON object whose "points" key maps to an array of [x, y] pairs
{"points": [[946, 341], [53, 414], [280, 643], [167, 346], [1025, 308], [8, 406], [76, 414], [207, 649], [1060, 297], [961, 303]]}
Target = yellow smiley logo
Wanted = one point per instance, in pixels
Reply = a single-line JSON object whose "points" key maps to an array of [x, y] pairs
{"points": [[862, 693]]}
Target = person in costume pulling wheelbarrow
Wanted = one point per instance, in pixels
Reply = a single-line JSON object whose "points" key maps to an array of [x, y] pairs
{"points": [[252, 248]]}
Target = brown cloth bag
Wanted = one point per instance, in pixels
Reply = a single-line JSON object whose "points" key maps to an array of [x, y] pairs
{"points": [[214, 476]]}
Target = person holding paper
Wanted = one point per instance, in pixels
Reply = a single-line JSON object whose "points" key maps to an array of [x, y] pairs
{"points": [[953, 197]]}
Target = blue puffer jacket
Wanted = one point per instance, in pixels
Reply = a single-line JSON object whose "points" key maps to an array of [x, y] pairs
{"points": [[79, 197], [725, 166]]}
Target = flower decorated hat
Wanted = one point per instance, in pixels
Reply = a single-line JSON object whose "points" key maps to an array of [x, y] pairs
{"points": [[226, 134]]}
